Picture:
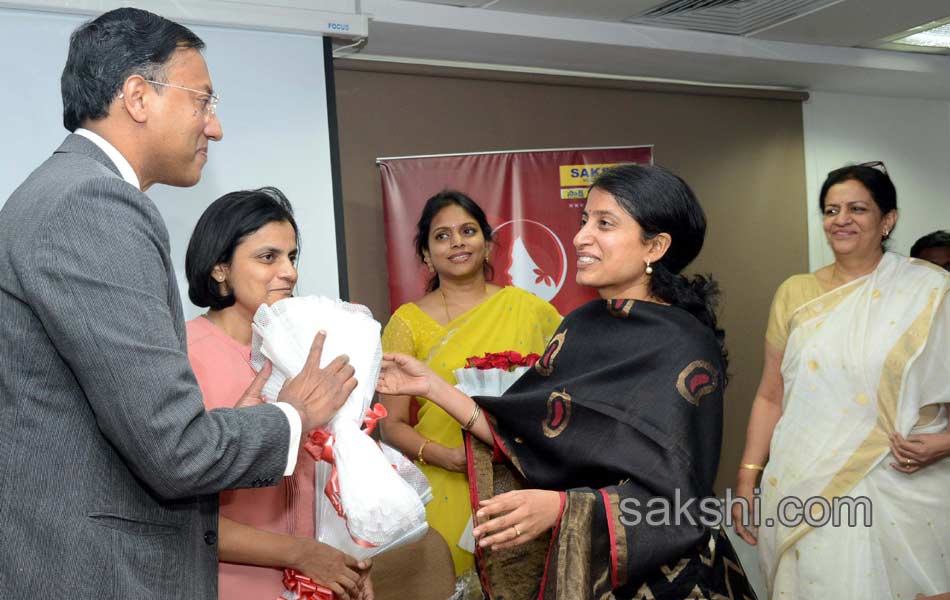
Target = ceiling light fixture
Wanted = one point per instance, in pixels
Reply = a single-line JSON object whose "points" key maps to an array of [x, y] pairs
{"points": [[935, 37]]}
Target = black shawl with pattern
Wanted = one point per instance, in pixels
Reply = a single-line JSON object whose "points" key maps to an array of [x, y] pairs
{"points": [[624, 408]]}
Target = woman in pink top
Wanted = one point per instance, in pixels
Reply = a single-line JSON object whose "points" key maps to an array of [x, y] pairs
{"points": [[242, 254]]}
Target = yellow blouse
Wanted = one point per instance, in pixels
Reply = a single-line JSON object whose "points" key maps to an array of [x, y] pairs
{"points": [[794, 292]]}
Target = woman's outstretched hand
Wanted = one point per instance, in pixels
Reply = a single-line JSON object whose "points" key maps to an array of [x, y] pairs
{"points": [[402, 375], [514, 518]]}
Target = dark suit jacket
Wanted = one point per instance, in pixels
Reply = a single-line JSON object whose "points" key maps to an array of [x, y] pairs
{"points": [[109, 463]]}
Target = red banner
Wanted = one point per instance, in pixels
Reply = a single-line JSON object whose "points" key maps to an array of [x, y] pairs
{"points": [[533, 199]]}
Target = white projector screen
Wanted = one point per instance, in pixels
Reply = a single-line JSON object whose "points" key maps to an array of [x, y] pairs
{"points": [[279, 130]]}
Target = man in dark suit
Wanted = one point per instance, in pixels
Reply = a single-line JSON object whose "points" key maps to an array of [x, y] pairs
{"points": [[109, 464]]}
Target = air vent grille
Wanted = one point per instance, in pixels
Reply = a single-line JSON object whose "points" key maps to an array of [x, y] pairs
{"points": [[734, 17]]}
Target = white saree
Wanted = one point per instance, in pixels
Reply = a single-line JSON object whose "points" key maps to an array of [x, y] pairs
{"points": [[862, 361]]}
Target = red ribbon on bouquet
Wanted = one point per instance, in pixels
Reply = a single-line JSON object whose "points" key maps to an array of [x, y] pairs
{"points": [[304, 587], [320, 446], [372, 417]]}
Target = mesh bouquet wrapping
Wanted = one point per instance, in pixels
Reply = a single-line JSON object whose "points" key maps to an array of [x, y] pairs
{"points": [[493, 373], [486, 382], [377, 501]]}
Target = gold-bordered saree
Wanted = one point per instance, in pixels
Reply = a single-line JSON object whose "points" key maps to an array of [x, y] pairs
{"points": [[624, 407], [863, 361]]}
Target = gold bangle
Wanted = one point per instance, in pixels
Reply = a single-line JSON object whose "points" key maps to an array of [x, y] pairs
{"points": [[421, 448], [752, 466], [474, 417]]}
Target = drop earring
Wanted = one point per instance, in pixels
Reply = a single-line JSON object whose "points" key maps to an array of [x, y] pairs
{"points": [[428, 264], [649, 269]]}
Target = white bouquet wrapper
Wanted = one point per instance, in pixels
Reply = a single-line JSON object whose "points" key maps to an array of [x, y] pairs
{"points": [[486, 382], [380, 508], [483, 382], [408, 471]]}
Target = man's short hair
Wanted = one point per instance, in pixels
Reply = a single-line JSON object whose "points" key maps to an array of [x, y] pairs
{"points": [[104, 52], [937, 239]]}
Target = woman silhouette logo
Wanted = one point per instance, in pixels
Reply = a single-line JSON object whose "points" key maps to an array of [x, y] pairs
{"points": [[530, 256]]}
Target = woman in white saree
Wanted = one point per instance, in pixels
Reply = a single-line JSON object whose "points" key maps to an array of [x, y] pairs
{"points": [[853, 403]]}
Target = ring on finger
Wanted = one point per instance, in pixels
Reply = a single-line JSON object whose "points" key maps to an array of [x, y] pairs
{"points": [[517, 531]]}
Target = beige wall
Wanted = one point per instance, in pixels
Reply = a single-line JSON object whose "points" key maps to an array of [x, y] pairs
{"points": [[742, 152], [910, 135]]}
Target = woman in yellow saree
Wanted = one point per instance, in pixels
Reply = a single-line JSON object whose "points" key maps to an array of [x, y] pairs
{"points": [[462, 315], [853, 405]]}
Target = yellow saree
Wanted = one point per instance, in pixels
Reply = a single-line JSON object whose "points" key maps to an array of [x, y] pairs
{"points": [[511, 319]]}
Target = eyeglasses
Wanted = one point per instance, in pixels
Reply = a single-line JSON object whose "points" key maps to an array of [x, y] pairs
{"points": [[210, 107], [875, 164]]}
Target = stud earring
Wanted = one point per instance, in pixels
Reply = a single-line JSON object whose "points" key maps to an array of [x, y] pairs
{"points": [[649, 269], [222, 284], [886, 232]]}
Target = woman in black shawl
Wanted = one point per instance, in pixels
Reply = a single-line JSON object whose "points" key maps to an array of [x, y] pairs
{"points": [[589, 474]]}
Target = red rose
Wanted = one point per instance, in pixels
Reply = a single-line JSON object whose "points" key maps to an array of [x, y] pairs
{"points": [[500, 361], [514, 358], [506, 360]]}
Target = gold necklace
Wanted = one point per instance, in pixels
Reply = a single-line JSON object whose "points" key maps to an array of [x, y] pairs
{"points": [[445, 306]]}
